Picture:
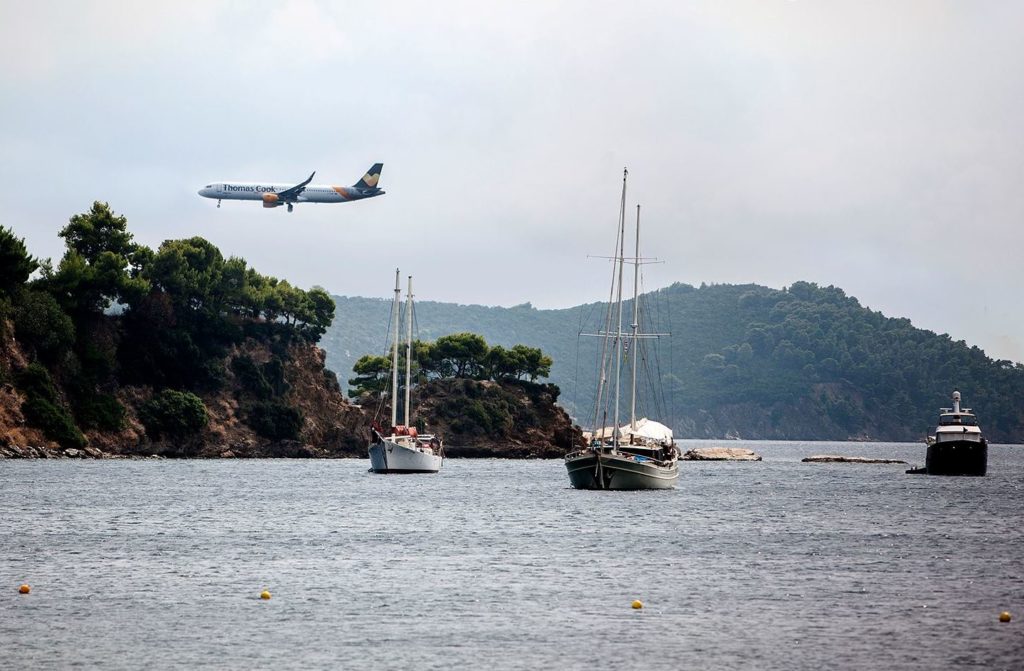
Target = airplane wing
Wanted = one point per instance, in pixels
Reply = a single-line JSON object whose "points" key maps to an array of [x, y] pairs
{"points": [[295, 191]]}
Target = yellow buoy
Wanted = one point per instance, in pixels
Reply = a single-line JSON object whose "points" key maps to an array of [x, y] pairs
{"points": [[1005, 616], [24, 589], [264, 595], [638, 604]]}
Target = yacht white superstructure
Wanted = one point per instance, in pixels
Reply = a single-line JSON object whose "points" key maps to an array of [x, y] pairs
{"points": [[957, 447]]}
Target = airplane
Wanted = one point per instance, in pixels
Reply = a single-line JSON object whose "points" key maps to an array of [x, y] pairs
{"points": [[276, 195]]}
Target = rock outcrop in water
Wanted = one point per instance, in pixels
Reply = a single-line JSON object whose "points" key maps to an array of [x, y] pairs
{"points": [[721, 454], [840, 459]]}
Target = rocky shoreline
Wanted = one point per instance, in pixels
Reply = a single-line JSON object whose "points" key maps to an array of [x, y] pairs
{"points": [[292, 451], [44, 452]]}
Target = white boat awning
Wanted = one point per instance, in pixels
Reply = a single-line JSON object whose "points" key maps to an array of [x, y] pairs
{"points": [[600, 434], [648, 430]]}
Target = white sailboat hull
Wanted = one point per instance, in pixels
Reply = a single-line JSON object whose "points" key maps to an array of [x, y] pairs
{"points": [[388, 456]]}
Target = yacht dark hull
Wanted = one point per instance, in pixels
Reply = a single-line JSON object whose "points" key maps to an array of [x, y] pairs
{"points": [[957, 457], [591, 470]]}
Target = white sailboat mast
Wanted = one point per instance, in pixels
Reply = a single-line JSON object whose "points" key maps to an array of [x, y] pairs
{"points": [[394, 353], [618, 300], [635, 325], [408, 350]]}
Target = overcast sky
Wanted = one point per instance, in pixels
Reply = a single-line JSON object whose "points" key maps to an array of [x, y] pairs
{"points": [[876, 146]]}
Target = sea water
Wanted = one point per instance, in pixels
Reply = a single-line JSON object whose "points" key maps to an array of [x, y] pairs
{"points": [[498, 564]]}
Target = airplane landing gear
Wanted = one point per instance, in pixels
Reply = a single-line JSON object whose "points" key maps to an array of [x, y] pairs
{"points": [[289, 207], [218, 203]]}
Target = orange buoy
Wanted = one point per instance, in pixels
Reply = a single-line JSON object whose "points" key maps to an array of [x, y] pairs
{"points": [[24, 589]]}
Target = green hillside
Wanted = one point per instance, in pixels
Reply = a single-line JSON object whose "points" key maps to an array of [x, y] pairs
{"points": [[747, 361]]}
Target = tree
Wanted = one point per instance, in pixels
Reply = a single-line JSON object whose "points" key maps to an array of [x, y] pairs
{"points": [[500, 363], [176, 414], [291, 300], [461, 353], [43, 408], [321, 312], [232, 293], [15, 262], [40, 323], [372, 374], [101, 264], [190, 271], [275, 420], [533, 362], [97, 231]]}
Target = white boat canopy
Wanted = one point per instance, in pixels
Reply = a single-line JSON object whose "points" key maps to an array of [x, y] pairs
{"points": [[600, 434], [648, 430]]}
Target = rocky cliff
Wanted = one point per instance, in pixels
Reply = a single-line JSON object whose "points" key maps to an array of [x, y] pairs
{"points": [[267, 386], [305, 394], [512, 419]]}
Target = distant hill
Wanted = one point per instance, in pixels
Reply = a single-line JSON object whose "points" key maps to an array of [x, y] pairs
{"points": [[743, 361]]}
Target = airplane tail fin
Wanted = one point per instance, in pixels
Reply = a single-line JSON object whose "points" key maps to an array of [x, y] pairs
{"points": [[372, 176]]}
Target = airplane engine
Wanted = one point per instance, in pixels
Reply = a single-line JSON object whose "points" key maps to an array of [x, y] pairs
{"points": [[271, 200]]}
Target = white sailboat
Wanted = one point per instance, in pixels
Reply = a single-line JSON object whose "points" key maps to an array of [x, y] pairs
{"points": [[641, 454], [403, 449]]}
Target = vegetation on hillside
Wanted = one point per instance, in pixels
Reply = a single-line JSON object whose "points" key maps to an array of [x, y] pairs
{"points": [[114, 312], [805, 362], [485, 400]]}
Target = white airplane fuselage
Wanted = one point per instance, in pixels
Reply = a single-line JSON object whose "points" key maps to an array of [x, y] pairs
{"points": [[275, 195], [314, 193]]}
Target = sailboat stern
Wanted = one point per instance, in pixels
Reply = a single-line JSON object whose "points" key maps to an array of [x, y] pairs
{"points": [[392, 456]]}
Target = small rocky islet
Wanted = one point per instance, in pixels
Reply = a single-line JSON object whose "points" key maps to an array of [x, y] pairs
{"points": [[843, 459], [720, 454]]}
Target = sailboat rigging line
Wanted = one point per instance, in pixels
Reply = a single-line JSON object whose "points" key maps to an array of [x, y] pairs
{"points": [[576, 375], [657, 391], [618, 315], [603, 379], [388, 392]]}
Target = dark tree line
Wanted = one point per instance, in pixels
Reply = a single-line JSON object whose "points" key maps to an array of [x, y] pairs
{"points": [[786, 344], [460, 355]]}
